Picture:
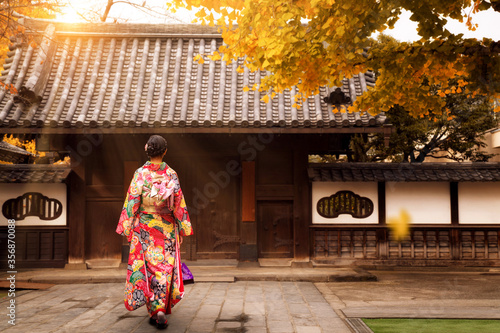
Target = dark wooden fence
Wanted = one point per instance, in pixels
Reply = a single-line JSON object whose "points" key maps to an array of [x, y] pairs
{"points": [[36, 247], [425, 245]]}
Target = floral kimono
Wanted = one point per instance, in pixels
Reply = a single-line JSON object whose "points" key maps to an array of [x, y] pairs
{"points": [[153, 216]]}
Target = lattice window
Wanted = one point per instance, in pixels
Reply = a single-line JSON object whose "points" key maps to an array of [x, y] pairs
{"points": [[422, 244], [32, 204], [493, 239], [479, 244], [346, 244], [345, 202]]}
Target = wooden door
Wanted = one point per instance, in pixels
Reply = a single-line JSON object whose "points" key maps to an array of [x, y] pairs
{"points": [[275, 225], [101, 241], [211, 187]]}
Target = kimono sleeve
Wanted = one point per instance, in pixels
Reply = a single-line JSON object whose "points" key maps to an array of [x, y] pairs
{"points": [[180, 210], [131, 206]]}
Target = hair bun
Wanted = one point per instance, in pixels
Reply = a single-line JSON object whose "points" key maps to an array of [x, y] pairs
{"points": [[156, 146]]}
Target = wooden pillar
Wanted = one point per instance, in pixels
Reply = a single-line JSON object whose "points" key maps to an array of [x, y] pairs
{"points": [[76, 210], [455, 232], [454, 203], [129, 168], [383, 245], [301, 204], [248, 230]]}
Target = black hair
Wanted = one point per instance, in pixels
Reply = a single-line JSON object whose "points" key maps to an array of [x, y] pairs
{"points": [[156, 146]]}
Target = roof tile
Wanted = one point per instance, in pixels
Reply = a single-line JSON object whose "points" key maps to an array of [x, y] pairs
{"points": [[33, 173], [145, 76], [405, 172]]}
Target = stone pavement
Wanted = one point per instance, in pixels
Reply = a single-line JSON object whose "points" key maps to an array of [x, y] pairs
{"points": [[267, 306], [245, 306], [417, 293], [201, 272]]}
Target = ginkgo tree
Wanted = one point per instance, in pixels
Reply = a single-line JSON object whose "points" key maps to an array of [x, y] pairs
{"points": [[311, 43], [11, 32], [9, 14]]}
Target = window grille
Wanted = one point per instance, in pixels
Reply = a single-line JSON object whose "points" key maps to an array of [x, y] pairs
{"points": [[32, 204]]}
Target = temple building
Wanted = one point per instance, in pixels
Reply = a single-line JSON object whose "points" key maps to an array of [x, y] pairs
{"points": [[96, 92]]}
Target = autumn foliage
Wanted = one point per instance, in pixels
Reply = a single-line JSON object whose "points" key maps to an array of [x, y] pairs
{"points": [[310, 43], [9, 15], [28, 145]]}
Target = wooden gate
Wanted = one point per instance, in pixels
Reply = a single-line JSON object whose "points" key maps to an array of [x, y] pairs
{"points": [[275, 223], [211, 187]]}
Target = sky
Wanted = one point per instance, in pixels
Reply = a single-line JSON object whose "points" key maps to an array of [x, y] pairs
{"points": [[404, 30]]}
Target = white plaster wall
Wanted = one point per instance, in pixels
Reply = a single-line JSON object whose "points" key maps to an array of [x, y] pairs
{"points": [[326, 189], [479, 202], [425, 202], [492, 140], [12, 191]]}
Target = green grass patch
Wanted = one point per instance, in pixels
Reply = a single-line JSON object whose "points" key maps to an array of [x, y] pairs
{"points": [[433, 325]]}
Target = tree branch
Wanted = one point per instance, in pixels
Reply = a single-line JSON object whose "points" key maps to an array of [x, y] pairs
{"points": [[106, 10]]}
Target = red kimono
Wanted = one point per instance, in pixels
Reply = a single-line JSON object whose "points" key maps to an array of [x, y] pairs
{"points": [[153, 216]]}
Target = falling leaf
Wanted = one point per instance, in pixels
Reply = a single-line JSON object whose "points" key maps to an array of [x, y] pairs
{"points": [[400, 226]]}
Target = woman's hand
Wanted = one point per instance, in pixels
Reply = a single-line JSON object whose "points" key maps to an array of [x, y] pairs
{"points": [[180, 239]]}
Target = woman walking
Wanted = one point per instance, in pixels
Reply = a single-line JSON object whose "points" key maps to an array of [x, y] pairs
{"points": [[154, 219]]}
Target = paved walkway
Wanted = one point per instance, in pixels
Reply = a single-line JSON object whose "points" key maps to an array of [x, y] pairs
{"points": [[246, 306], [209, 273], [266, 306], [418, 293]]}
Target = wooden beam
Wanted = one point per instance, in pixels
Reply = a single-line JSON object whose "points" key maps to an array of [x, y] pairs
{"points": [[381, 203], [301, 204], [190, 130], [76, 212], [454, 203], [248, 191]]}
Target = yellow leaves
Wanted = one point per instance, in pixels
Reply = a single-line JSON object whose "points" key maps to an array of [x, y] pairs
{"points": [[340, 31], [29, 146], [246, 89], [471, 26], [314, 3], [265, 99], [65, 161], [287, 16], [400, 225], [199, 59], [201, 13], [310, 43], [350, 56], [215, 56], [211, 20], [328, 23]]}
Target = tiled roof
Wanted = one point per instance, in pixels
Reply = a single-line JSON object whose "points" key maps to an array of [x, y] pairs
{"points": [[129, 75], [33, 173], [404, 172], [13, 154]]}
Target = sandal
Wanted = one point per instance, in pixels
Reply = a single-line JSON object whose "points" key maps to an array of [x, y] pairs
{"points": [[161, 322]]}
